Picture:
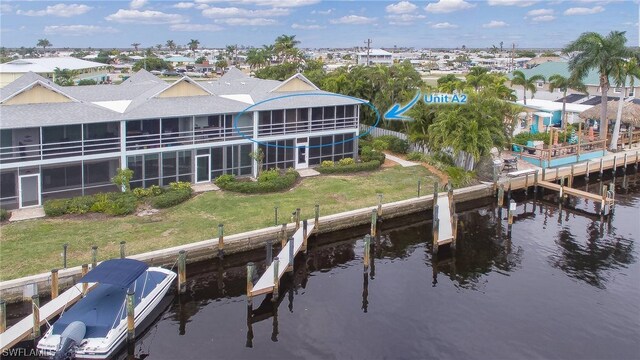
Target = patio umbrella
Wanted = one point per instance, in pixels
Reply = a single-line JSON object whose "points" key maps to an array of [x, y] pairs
{"points": [[630, 112]]}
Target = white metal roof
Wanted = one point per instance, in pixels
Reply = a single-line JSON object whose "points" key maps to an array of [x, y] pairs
{"points": [[548, 105], [375, 52], [47, 65]]}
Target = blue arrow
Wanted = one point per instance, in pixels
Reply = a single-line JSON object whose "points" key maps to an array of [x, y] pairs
{"points": [[395, 113]]}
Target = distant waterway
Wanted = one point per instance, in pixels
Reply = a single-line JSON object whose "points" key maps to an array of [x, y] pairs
{"points": [[564, 285]]}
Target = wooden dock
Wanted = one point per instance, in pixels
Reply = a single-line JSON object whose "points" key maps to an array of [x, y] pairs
{"points": [[565, 190], [24, 328], [268, 282], [445, 220]]}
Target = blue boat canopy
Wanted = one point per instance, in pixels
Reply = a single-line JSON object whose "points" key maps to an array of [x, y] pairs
{"points": [[118, 272]]}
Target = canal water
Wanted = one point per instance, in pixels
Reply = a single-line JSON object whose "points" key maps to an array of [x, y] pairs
{"points": [[564, 284]]}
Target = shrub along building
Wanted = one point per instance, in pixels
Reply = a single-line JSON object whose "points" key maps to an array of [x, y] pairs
{"points": [[59, 142]]}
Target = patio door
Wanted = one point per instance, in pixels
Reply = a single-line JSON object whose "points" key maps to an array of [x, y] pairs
{"points": [[29, 190], [203, 169], [302, 153]]}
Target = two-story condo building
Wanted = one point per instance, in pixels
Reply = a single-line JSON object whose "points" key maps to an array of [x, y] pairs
{"points": [[67, 141]]}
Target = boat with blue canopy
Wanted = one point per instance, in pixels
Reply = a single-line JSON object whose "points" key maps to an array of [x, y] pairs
{"points": [[96, 326]]}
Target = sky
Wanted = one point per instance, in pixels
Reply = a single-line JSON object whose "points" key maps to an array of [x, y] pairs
{"points": [[316, 23]]}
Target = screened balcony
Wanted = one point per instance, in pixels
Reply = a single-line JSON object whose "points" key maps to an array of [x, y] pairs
{"points": [[295, 121]]}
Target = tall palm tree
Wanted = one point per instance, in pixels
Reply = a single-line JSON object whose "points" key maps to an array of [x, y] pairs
{"points": [[285, 47], [623, 72], [602, 53], [476, 76], [44, 43], [558, 81], [171, 45], [135, 46], [232, 53], [193, 45], [519, 78]]}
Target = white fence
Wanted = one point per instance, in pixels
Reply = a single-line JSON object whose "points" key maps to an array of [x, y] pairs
{"points": [[377, 132]]}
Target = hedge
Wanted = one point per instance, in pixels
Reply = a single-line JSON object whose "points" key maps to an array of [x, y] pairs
{"points": [[4, 215], [282, 182], [363, 166], [171, 198], [367, 154]]}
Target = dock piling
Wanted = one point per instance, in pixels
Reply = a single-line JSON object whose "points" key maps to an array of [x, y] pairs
{"points": [[35, 308], [570, 183], [250, 269], [419, 186], [512, 209], [601, 168], [316, 222], [54, 284], [283, 236], [374, 222], [94, 256], [367, 252], [275, 216], [276, 279], [603, 202], [3, 316], [501, 195], [544, 172], [131, 308], [557, 174], [122, 249], [586, 173], [454, 232], [182, 271], [220, 240], [297, 218], [85, 286], [561, 195], [509, 191], [436, 224], [380, 205], [64, 255], [292, 255], [535, 182], [269, 249], [526, 183], [305, 234], [615, 164], [625, 162]]}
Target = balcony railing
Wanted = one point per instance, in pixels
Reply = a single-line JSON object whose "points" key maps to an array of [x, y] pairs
{"points": [[306, 126], [59, 149], [137, 141]]}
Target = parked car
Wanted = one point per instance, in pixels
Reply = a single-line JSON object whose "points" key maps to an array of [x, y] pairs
{"points": [[170, 73]]}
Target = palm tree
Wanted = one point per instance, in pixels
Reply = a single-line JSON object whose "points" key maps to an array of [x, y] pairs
{"points": [[476, 76], [44, 43], [135, 46], [625, 70], [602, 53], [558, 81], [64, 77], [193, 45], [171, 45], [519, 78], [232, 53], [285, 47]]}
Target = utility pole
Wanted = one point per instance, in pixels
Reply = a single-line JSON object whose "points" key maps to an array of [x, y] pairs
{"points": [[368, 43]]}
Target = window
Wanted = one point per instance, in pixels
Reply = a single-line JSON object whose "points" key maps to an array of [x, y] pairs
{"points": [[540, 84], [279, 154], [617, 90], [331, 148], [631, 92]]}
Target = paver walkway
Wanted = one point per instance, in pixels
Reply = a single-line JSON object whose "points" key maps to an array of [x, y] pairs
{"points": [[308, 172], [402, 162], [27, 214]]}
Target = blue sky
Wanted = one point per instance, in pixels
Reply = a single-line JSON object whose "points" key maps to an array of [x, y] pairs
{"points": [[216, 23]]}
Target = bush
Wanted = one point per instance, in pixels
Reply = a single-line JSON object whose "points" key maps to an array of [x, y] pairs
{"points": [[80, 204], [268, 175], [362, 166], [56, 207], [367, 154], [180, 185], [4, 215], [459, 177], [346, 161], [101, 204], [416, 156], [119, 204], [171, 198], [380, 145], [224, 180], [327, 164], [122, 179], [282, 182], [392, 143]]}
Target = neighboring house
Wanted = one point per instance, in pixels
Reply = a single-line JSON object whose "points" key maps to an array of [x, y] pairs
{"points": [[68, 141], [542, 114], [376, 56], [45, 67], [180, 61], [592, 81]]}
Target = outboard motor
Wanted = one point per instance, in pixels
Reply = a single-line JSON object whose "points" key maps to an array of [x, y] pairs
{"points": [[69, 339]]}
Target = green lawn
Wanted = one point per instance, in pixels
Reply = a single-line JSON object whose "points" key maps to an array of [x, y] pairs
{"points": [[35, 246]]}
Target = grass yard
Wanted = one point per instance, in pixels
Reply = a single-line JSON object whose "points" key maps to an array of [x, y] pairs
{"points": [[35, 246]]}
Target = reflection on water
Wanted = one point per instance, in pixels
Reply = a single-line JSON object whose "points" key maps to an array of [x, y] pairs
{"points": [[562, 284]]}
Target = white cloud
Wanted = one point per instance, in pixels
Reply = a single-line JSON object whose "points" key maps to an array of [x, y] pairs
{"points": [[195, 27], [5, 8], [307, 27], [540, 12], [544, 18], [202, 6], [145, 17], [521, 3], [584, 10], [493, 24], [403, 7], [444, 25], [323, 12], [61, 10], [404, 19], [447, 6], [234, 12], [271, 3], [185, 5], [247, 22], [78, 30], [353, 20], [137, 4]]}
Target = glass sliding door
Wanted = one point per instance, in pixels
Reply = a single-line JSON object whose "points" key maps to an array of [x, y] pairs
{"points": [[29, 190], [203, 172]]}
